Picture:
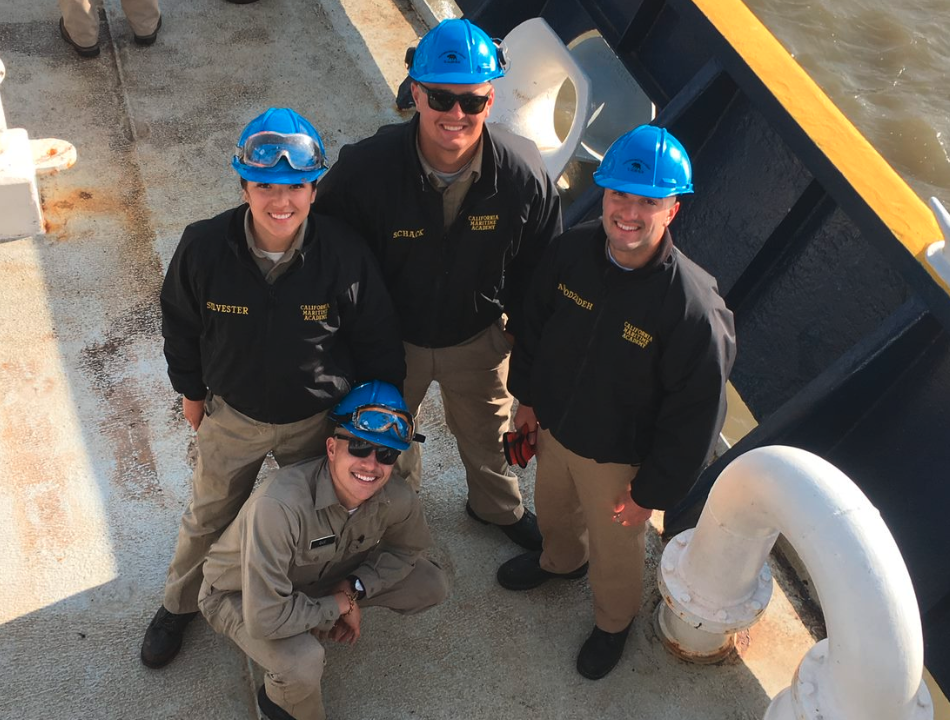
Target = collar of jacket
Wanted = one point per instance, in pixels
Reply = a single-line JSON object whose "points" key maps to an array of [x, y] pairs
{"points": [[237, 240], [487, 183], [660, 260]]}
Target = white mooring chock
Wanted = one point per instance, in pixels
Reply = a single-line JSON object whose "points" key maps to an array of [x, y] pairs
{"points": [[20, 161], [715, 581]]}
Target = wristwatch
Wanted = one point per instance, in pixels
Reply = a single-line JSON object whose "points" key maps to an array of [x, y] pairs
{"points": [[357, 586]]}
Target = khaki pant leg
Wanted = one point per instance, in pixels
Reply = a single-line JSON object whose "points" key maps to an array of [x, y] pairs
{"points": [[231, 450], [560, 517], [142, 15], [472, 379], [419, 372], [616, 552], [81, 18], [301, 440], [424, 587], [293, 666]]}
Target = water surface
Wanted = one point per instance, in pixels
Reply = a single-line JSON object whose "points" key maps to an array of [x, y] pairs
{"points": [[886, 65]]}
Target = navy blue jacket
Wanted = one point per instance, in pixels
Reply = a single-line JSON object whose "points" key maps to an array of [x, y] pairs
{"points": [[626, 367], [447, 286], [283, 352]]}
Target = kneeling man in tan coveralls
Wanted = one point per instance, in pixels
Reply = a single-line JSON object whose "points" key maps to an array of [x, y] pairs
{"points": [[316, 543]]}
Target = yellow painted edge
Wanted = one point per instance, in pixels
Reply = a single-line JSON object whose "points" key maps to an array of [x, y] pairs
{"points": [[885, 192]]}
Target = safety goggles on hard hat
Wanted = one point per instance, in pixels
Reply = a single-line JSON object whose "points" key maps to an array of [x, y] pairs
{"points": [[360, 448], [379, 419], [266, 149], [443, 100]]}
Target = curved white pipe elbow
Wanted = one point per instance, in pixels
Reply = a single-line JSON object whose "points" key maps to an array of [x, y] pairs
{"points": [[872, 662]]}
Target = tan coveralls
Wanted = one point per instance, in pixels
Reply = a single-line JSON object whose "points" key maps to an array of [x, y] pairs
{"points": [[266, 581]]}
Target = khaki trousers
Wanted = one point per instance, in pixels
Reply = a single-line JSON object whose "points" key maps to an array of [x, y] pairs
{"points": [[477, 404], [231, 450], [81, 18], [574, 497], [294, 666]]}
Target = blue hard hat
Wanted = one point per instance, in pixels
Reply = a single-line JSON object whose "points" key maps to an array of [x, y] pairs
{"points": [[376, 411], [646, 161], [457, 53], [280, 147]]}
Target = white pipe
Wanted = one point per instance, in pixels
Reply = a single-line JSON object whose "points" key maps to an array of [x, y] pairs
{"points": [[871, 665]]}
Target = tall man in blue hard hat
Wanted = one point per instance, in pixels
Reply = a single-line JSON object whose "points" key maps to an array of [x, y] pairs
{"points": [[620, 369], [316, 544], [270, 314], [458, 214]]}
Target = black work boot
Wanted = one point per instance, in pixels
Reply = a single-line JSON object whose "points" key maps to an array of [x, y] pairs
{"points": [[163, 637], [525, 572], [523, 532], [271, 710], [90, 51], [601, 652]]}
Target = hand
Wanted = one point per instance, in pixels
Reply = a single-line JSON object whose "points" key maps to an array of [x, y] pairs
{"points": [[525, 418], [193, 410], [347, 627], [509, 337], [628, 513]]}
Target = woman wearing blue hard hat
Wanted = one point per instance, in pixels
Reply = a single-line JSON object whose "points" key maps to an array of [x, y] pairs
{"points": [[270, 313]]}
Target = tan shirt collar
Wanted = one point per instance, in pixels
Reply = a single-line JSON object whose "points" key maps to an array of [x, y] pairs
{"points": [[269, 268]]}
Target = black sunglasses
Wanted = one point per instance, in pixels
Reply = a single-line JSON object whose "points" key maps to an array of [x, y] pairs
{"points": [[443, 100], [360, 448]]}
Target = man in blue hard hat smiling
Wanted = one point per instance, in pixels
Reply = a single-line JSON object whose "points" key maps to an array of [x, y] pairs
{"points": [[270, 313], [620, 370], [316, 544], [458, 213]]}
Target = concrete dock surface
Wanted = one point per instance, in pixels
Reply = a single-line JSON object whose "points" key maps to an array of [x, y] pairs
{"points": [[95, 456]]}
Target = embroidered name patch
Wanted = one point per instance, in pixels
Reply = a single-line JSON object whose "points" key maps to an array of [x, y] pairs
{"points": [[315, 313], [233, 309], [571, 295], [322, 542], [482, 222], [631, 333], [409, 233]]}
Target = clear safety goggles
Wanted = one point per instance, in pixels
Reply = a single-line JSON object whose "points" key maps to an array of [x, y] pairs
{"points": [[266, 149], [380, 419]]}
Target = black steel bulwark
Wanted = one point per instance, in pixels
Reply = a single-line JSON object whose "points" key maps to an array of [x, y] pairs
{"points": [[843, 336]]}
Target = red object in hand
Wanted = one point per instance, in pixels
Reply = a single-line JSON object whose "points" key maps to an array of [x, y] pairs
{"points": [[518, 451]]}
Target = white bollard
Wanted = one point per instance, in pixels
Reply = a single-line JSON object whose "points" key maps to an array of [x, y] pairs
{"points": [[20, 213]]}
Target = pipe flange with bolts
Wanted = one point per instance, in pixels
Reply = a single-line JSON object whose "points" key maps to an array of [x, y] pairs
{"points": [[811, 695], [697, 628]]}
